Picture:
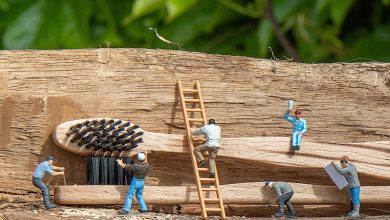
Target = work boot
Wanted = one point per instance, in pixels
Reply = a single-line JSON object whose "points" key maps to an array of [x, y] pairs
{"points": [[123, 212], [279, 214], [293, 148], [50, 206], [202, 163], [212, 175], [350, 209], [297, 148], [143, 211], [355, 212], [290, 214]]}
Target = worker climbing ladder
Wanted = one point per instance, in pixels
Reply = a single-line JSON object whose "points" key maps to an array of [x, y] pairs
{"points": [[209, 190]]}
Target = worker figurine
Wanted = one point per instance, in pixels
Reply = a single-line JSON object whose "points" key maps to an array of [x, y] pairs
{"points": [[283, 194], [43, 168], [299, 128], [213, 138], [350, 173], [139, 170]]}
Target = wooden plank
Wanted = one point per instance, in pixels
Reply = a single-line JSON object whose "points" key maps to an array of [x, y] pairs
{"points": [[240, 193]]}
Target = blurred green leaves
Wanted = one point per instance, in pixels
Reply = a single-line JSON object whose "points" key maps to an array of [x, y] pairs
{"points": [[319, 31]]}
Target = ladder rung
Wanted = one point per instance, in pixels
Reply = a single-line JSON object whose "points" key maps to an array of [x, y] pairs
{"points": [[195, 119], [203, 169], [213, 209], [194, 110], [209, 189], [191, 100], [190, 90], [211, 199], [207, 179]]}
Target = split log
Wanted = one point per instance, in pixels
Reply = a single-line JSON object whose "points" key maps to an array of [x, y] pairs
{"points": [[372, 159], [240, 193]]}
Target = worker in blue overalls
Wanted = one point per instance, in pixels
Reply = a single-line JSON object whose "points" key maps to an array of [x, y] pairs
{"points": [[299, 128]]}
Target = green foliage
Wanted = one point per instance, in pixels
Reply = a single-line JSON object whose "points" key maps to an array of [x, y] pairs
{"points": [[320, 31]]}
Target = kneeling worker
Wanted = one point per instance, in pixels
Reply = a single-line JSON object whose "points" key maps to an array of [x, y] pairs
{"points": [[283, 194], [43, 168], [139, 171], [213, 138], [350, 173]]}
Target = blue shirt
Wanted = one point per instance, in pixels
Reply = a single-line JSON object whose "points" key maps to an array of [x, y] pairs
{"points": [[298, 125], [43, 168]]}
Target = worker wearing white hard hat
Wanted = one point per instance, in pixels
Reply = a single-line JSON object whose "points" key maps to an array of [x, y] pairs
{"points": [[139, 170]]}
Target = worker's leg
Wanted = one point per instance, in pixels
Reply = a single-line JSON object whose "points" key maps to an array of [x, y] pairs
{"points": [[129, 197], [198, 152], [290, 208], [296, 140], [213, 151], [356, 201], [351, 203], [140, 189], [45, 192]]}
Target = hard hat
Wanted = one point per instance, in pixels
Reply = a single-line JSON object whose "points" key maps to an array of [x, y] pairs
{"points": [[141, 156]]}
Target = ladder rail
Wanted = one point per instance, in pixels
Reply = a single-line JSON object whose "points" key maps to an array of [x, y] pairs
{"points": [[203, 112], [199, 100]]}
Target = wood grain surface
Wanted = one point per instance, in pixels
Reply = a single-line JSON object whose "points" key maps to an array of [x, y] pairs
{"points": [[39, 89]]}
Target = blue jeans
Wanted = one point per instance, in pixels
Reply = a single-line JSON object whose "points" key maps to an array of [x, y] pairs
{"points": [[296, 139], [45, 191], [137, 187], [354, 194]]}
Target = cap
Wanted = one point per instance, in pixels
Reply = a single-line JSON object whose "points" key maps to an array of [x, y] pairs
{"points": [[267, 182], [141, 156], [50, 158], [298, 112]]}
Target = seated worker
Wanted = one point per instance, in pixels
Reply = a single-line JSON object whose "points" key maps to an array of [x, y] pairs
{"points": [[299, 128], [43, 168], [283, 194], [213, 138]]}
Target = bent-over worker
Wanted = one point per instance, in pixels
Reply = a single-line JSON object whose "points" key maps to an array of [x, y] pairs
{"points": [[283, 194], [43, 168]]}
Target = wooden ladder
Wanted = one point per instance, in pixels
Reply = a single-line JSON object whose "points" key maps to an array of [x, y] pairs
{"points": [[207, 202]]}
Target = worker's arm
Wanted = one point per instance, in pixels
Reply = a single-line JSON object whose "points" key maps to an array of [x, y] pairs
{"points": [[287, 116], [125, 166], [55, 173], [55, 168], [341, 170], [278, 193], [304, 127], [198, 131]]}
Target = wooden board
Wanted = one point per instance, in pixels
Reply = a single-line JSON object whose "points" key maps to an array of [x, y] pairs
{"points": [[240, 193], [336, 177], [372, 158]]}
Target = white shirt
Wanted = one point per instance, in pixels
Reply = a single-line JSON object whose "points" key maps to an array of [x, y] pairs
{"points": [[212, 133]]}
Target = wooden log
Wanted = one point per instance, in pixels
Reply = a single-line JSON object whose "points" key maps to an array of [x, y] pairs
{"points": [[39, 89], [372, 158], [240, 193]]}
